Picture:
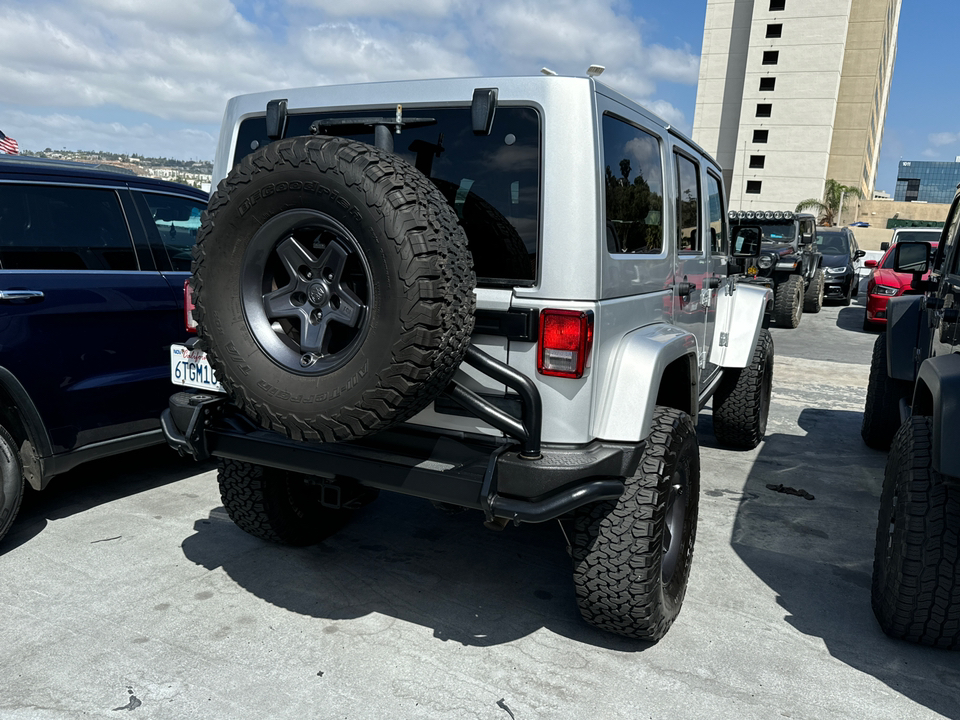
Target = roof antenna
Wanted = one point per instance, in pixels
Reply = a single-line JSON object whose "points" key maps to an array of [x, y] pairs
{"points": [[595, 70]]}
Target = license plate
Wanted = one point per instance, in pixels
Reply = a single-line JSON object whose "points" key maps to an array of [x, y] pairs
{"points": [[190, 368]]}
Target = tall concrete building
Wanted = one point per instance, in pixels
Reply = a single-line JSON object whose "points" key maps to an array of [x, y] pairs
{"points": [[793, 92]]}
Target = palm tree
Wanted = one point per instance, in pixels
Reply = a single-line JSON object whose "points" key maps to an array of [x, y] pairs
{"points": [[834, 197]]}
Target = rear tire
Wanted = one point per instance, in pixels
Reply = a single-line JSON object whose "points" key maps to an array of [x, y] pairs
{"points": [[788, 302], [813, 296], [881, 412], [916, 571], [741, 403], [276, 505], [11, 481], [632, 556]]}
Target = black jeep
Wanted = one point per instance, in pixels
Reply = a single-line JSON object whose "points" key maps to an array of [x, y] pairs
{"points": [[789, 263], [913, 407]]}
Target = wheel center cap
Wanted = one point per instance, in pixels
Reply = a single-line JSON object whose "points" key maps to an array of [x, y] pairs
{"points": [[317, 294]]}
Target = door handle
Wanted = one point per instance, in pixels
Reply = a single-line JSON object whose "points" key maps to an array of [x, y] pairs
{"points": [[24, 296]]}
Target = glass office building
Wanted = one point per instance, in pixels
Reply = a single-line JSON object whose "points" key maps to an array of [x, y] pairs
{"points": [[932, 182]]}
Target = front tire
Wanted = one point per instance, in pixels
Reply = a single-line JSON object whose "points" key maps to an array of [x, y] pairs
{"points": [[813, 296], [741, 403], [276, 505], [916, 571], [881, 411], [788, 302], [632, 556], [11, 481]]}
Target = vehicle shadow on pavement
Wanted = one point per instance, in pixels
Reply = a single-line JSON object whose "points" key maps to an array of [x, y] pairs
{"points": [[851, 318], [402, 558], [96, 483], [817, 554]]}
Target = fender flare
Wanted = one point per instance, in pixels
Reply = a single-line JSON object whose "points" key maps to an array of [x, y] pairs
{"points": [[905, 319], [740, 310], [632, 385], [937, 394]]}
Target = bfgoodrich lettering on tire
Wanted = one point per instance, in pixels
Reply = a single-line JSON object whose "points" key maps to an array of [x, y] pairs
{"points": [[632, 557], [334, 288], [916, 567]]}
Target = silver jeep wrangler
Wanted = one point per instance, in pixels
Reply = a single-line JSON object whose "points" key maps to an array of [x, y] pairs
{"points": [[505, 294]]}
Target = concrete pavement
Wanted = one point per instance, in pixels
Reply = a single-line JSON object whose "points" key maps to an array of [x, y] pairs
{"points": [[127, 590]]}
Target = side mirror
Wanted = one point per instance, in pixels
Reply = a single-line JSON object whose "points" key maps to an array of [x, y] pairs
{"points": [[912, 257], [884, 246], [747, 240], [859, 254], [870, 263]]}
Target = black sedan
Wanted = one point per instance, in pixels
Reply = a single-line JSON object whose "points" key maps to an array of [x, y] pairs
{"points": [[840, 253]]}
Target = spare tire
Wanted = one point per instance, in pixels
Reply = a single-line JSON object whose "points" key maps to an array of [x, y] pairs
{"points": [[334, 288]]}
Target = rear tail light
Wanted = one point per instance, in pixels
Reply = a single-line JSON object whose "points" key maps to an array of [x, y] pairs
{"points": [[566, 337], [188, 308]]}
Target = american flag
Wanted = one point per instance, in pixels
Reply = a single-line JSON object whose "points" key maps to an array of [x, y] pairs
{"points": [[8, 145]]}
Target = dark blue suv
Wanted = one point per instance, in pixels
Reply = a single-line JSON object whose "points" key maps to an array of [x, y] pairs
{"points": [[92, 268]]}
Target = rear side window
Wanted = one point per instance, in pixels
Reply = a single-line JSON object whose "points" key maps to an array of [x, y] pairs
{"points": [[176, 220], [492, 182], [718, 225], [63, 228], [633, 186], [689, 235]]}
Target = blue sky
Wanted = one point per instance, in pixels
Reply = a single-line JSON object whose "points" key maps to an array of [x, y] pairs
{"points": [[153, 77]]}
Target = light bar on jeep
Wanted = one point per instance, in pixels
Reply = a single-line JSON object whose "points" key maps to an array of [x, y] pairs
{"points": [[566, 337], [760, 215]]}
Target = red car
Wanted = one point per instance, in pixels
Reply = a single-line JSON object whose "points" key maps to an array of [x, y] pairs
{"points": [[884, 284]]}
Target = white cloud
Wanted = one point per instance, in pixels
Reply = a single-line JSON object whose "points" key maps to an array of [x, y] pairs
{"points": [[179, 61], [943, 138], [382, 8]]}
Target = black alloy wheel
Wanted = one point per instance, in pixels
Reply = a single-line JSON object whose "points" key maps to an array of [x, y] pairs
{"points": [[307, 304]]}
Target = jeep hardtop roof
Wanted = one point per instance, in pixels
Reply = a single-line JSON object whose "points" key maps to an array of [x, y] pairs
{"points": [[540, 90]]}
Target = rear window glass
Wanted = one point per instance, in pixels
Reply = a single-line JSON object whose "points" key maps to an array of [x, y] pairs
{"points": [[918, 236], [492, 182], [633, 188], [63, 228]]}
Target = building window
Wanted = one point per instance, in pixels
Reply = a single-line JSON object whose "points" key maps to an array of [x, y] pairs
{"points": [[767, 83], [775, 30], [764, 109], [761, 136], [753, 187], [777, 5], [771, 57], [757, 161]]}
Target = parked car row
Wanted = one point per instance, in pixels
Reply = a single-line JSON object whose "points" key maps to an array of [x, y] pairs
{"points": [[394, 323]]}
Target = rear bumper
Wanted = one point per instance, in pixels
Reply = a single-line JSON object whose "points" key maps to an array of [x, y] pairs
{"points": [[482, 473]]}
